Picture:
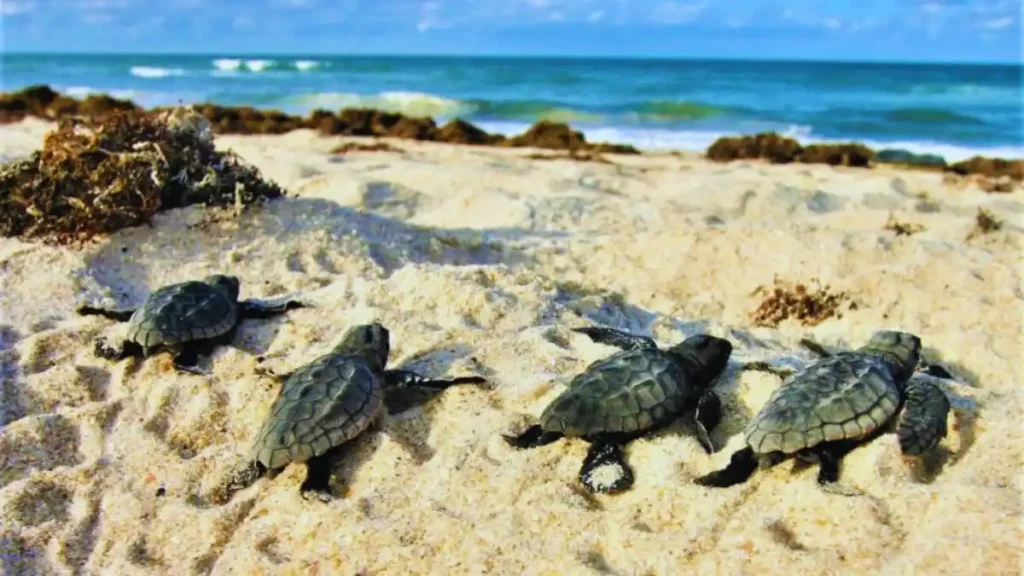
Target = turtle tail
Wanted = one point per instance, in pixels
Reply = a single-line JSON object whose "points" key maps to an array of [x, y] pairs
{"points": [[922, 423]]}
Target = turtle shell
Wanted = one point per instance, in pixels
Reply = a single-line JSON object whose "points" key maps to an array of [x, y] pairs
{"points": [[320, 406], [628, 392], [844, 397], [181, 313]]}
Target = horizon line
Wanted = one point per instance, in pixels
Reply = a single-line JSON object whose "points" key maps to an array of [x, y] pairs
{"points": [[500, 56]]}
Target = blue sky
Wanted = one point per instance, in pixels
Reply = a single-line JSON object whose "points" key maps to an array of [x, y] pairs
{"points": [[914, 30]]}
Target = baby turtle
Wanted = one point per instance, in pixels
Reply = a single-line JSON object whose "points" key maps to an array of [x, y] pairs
{"points": [[825, 410], [629, 394], [322, 406], [189, 319]]}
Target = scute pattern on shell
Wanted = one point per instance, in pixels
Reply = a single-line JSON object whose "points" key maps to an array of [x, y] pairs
{"points": [[846, 396], [181, 313], [322, 405], [627, 392]]}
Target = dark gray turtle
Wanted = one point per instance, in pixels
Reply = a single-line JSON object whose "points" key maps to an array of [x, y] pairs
{"points": [[827, 409], [189, 319], [630, 394], [322, 406]]}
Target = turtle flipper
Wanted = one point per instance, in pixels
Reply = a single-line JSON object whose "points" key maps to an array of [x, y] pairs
{"points": [[407, 378], [922, 423], [186, 359], [239, 479], [114, 352], [258, 309], [532, 437], [617, 338], [606, 453], [741, 467], [829, 460], [707, 417], [117, 315], [317, 485]]}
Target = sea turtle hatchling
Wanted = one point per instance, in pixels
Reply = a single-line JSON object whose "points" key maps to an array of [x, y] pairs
{"points": [[629, 394], [825, 410], [187, 318], [322, 406]]}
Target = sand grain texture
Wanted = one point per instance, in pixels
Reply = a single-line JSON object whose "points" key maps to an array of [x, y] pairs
{"points": [[480, 261]]}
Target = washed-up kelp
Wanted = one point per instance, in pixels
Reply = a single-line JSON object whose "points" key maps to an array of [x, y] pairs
{"points": [[98, 175]]}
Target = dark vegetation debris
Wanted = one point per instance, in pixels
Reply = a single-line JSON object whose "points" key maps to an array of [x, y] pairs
{"points": [[903, 228], [95, 175], [44, 102], [808, 305], [779, 149]]}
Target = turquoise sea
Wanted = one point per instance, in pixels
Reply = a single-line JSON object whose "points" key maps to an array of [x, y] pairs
{"points": [[955, 110]]}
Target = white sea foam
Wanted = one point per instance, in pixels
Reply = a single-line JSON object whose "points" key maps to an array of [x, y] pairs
{"points": [[258, 65], [655, 139], [155, 72], [412, 103], [227, 64], [306, 65]]}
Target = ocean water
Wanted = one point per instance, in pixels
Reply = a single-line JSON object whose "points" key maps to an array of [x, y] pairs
{"points": [[952, 110]]}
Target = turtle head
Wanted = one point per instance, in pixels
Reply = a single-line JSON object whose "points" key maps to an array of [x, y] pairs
{"points": [[901, 350], [705, 355], [371, 341], [226, 283]]}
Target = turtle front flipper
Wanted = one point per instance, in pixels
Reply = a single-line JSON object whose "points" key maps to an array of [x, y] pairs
{"points": [[407, 378], [258, 309], [606, 453], [617, 338], [116, 315], [707, 417], [922, 423], [741, 467], [532, 437]]}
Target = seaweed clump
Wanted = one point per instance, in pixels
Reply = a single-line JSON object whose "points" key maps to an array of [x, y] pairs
{"points": [[783, 150], [98, 175], [808, 306], [984, 223], [902, 228]]}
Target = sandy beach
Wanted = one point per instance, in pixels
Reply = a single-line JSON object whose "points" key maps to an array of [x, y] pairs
{"points": [[480, 260]]}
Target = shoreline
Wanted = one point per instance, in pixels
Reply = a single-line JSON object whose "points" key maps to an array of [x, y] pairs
{"points": [[480, 261], [45, 103]]}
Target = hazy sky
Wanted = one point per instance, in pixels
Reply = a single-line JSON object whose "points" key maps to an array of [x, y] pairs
{"points": [[972, 30]]}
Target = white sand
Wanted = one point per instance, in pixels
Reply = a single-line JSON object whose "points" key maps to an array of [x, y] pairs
{"points": [[480, 261]]}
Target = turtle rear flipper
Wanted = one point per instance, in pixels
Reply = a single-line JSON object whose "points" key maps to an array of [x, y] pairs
{"points": [[922, 424], [606, 453], [317, 484], [124, 349], [117, 315], [617, 338], [238, 479], [253, 308]]}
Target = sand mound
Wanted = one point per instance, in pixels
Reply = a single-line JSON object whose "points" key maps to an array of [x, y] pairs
{"points": [[479, 261]]}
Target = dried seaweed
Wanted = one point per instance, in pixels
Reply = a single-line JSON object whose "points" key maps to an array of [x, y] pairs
{"points": [[98, 175], [903, 228], [809, 306]]}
